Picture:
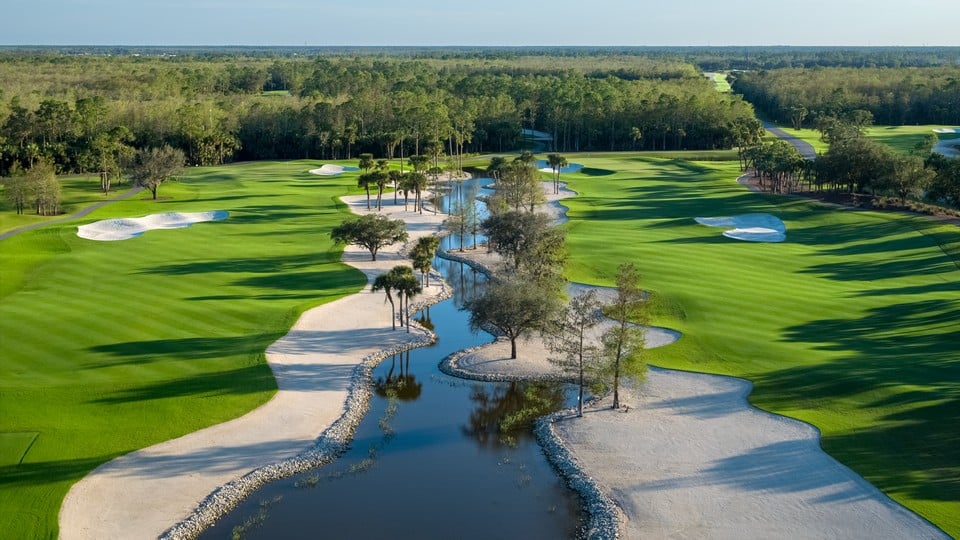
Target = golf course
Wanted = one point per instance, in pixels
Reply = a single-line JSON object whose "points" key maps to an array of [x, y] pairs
{"points": [[849, 324], [113, 346]]}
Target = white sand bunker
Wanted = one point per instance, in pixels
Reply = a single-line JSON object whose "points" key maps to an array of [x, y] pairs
{"points": [[749, 227], [332, 170], [126, 228], [946, 130], [544, 166]]}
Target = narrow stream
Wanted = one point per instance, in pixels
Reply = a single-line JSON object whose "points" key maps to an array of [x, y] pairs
{"points": [[435, 456]]}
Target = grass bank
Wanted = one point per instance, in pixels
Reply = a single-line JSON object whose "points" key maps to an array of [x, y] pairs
{"points": [[850, 325], [113, 346]]}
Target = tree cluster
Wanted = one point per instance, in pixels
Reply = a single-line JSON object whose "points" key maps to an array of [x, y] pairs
{"points": [[892, 96], [84, 113], [36, 188]]}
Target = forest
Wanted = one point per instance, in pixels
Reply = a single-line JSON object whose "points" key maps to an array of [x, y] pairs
{"points": [[95, 110], [84, 113], [893, 97]]}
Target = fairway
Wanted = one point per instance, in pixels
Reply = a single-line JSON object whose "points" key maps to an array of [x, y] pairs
{"points": [[113, 346], [851, 324], [900, 138]]}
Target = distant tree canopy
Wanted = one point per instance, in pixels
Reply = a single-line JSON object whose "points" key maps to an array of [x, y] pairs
{"points": [[893, 96], [222, 108]]}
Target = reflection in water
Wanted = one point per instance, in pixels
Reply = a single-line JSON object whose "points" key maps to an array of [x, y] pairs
{"points": [[403, 385], [505, 413], [434, 457], [424, 319]]}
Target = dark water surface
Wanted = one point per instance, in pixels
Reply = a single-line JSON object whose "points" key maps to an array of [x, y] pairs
{"points": [[435, 456]]}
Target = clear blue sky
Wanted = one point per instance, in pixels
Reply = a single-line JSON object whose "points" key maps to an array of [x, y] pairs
{"points": [[485, 22]]}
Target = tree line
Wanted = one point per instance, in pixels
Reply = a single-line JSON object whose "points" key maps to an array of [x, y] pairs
{"points": [[805, 97], [858, 167], [84, 113]]}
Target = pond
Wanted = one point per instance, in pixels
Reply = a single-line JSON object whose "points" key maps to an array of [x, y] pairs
{"points": [[435, 456]]}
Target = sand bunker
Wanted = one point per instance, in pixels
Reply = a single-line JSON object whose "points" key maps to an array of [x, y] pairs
{"points": [[693, 459], [544, 166], [946, 130], [126, 228], [333, 170], [749, 227]]}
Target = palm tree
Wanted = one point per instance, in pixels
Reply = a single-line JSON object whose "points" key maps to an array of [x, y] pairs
{"points": [[407, 285], [380, 178], [419, 182], [364, 181], [385, 282], [423, 253], [366, 162], [395, 178], [406, 185], [556, 162]]}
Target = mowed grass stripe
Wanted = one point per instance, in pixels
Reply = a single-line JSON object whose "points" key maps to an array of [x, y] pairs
{"points": [[120, 345], [851, 324]]}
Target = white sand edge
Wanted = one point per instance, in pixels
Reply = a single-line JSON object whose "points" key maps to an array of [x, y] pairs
{"points": [[144, 493], [693, 459], [329, 169], [108, 230], [749, 227]]}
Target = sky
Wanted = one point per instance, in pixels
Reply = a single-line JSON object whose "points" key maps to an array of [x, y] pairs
{"points": [[484, 22]]}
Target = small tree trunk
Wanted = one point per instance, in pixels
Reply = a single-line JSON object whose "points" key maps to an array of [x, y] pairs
{"points": [[513, 347], [580, 394], [393, 315]]}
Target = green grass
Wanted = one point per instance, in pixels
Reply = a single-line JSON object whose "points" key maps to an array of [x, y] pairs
{"points": [[852, 324], [902, 138], [108, 347], [811, 136], [14, 446], [720, 82], [77, 192]]}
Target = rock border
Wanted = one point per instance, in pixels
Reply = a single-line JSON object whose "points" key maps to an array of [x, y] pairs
{"points": [[604, 519], [603, 515], [331, 444]]}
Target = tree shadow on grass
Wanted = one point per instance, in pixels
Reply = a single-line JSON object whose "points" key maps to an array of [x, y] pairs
{"points": [[187, 349], [900, 267], [591, 171], [251, 265], [324, 282], [46, 472], [901, 363], [240, 381]]}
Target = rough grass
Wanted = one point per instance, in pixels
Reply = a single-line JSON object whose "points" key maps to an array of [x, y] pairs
{"points": [[113, 346], [852, 324]]}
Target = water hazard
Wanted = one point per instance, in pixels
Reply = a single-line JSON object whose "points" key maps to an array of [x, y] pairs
{"points": [[435, 456]]}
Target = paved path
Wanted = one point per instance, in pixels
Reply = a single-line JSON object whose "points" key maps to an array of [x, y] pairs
{"points": [[802, 146], [77, 215]]}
